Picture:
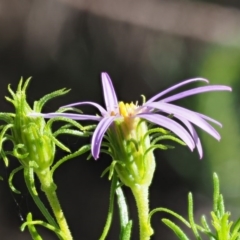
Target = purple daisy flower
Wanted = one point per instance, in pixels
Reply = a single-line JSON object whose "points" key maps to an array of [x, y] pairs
{"points": [[154, 110]]}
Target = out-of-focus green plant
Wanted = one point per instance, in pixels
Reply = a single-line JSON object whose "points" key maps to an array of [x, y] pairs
{"points": [[221, 65], [222, 227]]}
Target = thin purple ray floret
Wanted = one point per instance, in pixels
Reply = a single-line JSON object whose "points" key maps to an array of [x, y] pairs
{"points": [[154, 110]]}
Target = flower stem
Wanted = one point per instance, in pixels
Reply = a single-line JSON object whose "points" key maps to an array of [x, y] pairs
{"points": [[141, 197], [110, 209], [49, 188]]}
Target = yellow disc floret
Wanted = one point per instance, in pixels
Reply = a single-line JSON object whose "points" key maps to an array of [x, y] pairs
{"points": [[126, 109]]}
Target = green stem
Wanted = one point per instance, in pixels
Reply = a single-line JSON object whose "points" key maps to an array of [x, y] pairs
{"points": [[110, 209], [37, 200], [49, 188], [141, 197]]}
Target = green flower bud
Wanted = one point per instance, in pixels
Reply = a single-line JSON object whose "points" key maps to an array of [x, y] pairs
{"points": [[31, 136], [37, 144]]}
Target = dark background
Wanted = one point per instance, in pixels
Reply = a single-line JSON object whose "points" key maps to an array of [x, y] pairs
{"points": [[145, 46]]}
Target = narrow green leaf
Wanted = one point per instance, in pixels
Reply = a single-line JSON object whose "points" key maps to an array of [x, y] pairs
{"points": [[19, 88], [110, 209], [3, 155], [171, 213], [17, 154], [155, 130], [177, 230], [79, 152], [64, 119], [59, 144], [236, 227], [33, 231], [207, 229], [221, 207], [58, 232], [25, 85], [7, 117], [168, 137], [153, 147], [72, 132], [125, 223], [38, 105], [216, 192], [11, 178], [122, 205], [126, 233], [11, 91], [2, 134], [191, 216]]}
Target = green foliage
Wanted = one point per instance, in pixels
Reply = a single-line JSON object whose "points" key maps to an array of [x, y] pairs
{"points": [[125, 223], [34, 145], [222, 227], [31, 226], [32, 138]]}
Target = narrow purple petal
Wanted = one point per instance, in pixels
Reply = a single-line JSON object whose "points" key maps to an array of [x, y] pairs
{"points": [[196, 91], [171, 125], [187, 114], [68, 115], [99, 133], [175, 87], [99, 107], [209, 119], [110, 97], [193, 133]]}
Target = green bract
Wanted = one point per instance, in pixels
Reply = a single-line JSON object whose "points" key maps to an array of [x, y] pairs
{"points": [[31, 137], [135, 164], [131, 142]]}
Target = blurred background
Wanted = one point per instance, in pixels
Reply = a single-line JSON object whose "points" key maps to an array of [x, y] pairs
{"points": [[145, 46]]}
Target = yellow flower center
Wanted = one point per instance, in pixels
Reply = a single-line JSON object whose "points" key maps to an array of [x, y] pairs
{"points": [[129, 121], [126, 109]]}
